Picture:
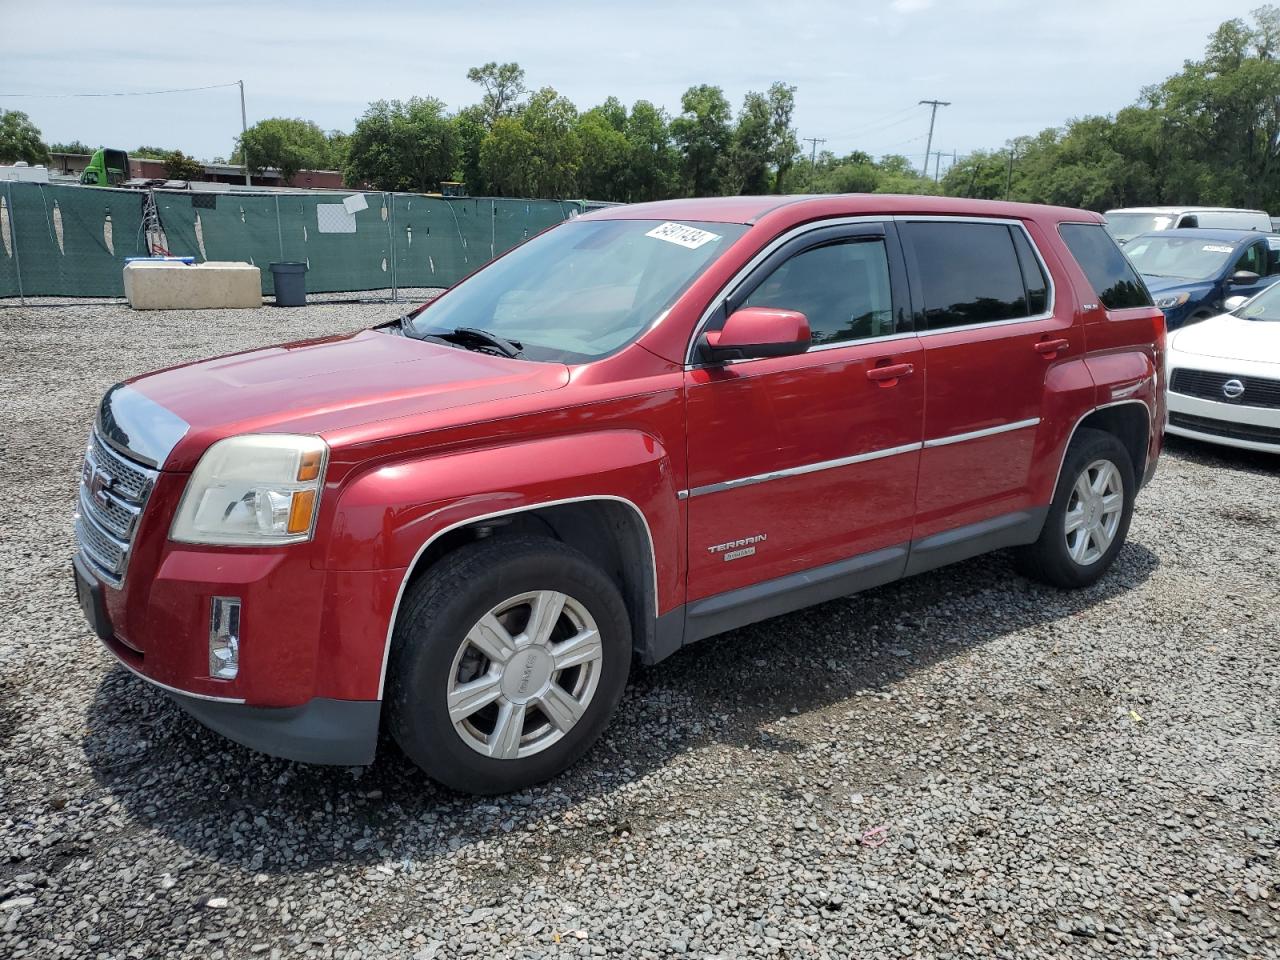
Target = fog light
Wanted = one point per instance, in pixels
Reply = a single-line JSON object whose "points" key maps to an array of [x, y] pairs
{"points": [[224, 638]]}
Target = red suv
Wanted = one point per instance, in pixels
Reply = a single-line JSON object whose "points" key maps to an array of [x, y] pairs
{"points": [[643, 427]]}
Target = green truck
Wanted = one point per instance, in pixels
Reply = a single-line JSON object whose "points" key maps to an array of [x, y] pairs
{"points": [[107, 168]]}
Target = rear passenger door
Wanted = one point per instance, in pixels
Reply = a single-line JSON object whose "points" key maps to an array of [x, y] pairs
{"points": [[991, 333]]}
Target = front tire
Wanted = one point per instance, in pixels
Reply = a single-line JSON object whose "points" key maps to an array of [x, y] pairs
{"points": [[1089, 518], [508, 659]]}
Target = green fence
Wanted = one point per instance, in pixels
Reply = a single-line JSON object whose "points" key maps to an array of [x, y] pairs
{"points": [[72, 241]]}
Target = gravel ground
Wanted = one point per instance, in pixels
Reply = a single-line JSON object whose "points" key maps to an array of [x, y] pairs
{"points": [[1053, 774]]}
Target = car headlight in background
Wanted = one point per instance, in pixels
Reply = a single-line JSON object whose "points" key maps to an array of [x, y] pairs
{"points": [[1172, 301], [256, 490]]}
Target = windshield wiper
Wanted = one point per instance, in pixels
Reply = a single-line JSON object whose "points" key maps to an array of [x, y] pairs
{"points": [[473, 335]]}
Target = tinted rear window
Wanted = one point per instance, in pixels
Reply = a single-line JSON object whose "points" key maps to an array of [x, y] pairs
{"points": [[969, 272], [1113, 278]]}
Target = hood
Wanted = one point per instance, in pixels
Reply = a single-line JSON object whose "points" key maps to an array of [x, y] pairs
{"points": [[1161, 285], [319, 386], [1230, 338]]}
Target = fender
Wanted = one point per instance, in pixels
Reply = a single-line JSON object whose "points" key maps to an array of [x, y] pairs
{"points": [[1069, 394], [1154, 427], [384, 515], [388, 516]]}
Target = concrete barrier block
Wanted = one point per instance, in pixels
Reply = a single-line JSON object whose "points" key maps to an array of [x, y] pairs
{"points": [[160, 285]]}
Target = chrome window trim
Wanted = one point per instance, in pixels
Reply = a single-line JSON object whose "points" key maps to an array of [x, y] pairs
{"points": [[979, 434], [168, 689], [734, 282], [801, 470], [404, 582], [1051, 303]]}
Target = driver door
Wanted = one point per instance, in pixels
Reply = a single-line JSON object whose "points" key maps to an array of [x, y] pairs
{"points": [[799, 464]]}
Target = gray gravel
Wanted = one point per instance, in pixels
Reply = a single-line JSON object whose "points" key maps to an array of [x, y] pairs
{"points": [[1057, 774]]}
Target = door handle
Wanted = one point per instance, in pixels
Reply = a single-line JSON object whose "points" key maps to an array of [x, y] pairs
{"points": [[888, 375], [1049, 348]]}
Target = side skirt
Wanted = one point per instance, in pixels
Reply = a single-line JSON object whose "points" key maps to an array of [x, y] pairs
{"points": [[760, 601]]}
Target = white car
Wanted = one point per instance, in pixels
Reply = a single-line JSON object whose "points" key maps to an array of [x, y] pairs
{"points": [[1224, 376]]}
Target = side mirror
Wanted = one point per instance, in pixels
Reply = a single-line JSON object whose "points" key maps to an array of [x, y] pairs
{"points": [[1244, 277], [1232, 304], [756, 332]]}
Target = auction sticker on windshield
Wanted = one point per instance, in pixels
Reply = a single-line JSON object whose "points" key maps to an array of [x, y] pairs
{"points": [[1215, 248], [685, 236]]}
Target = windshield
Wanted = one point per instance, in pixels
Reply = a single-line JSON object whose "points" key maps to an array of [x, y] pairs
{"points": [[1125, 226], [583, 289], [1182, 257], [1265, 306]]}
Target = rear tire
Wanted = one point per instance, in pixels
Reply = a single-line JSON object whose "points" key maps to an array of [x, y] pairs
{"points": [[1089, 517], [508, 659]]}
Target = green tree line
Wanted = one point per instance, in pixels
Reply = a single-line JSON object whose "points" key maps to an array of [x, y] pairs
{"points": [[1209, 134]]}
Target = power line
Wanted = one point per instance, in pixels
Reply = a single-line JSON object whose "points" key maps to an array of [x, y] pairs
{"points": [[883, 122], [935, 104], [127, 93]]}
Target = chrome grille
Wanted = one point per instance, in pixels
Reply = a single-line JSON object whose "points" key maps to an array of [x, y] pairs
{"points": [[113, 492], [1257, 391]]}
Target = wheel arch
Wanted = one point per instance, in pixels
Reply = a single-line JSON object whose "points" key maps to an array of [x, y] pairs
{"points": [[1129, 421], [610, 530]]}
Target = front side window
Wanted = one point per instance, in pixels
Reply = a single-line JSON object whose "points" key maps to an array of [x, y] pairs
{"points": [[842, 288], [583, 289], [1254, 260], [970, 273], [1112, 277]]}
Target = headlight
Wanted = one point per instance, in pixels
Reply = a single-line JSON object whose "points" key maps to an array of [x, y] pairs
{"points": [[257, 489], [1173, 300]]}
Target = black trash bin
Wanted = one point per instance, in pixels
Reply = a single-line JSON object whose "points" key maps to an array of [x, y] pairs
{"points": [[290, 282]]}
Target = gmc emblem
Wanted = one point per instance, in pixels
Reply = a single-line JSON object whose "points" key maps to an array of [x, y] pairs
{"points": [[99, 484]]}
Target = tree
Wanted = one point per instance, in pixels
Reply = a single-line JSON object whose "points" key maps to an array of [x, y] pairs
{"points": [[503, 85], [550, 120], [505, 157], [75, 146], [783, 145], [470, 129], [702, 135], [20, 139], [403, 145], [605, 152], [178, 166], [652, 161], [337, 147], [149, 153], [746, 163], [284, 144]]}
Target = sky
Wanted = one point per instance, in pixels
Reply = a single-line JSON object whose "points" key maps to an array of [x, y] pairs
{"points": [[1008, 67]]}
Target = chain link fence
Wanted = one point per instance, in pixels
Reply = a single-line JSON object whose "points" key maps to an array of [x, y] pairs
{"points": [[69, 241]]}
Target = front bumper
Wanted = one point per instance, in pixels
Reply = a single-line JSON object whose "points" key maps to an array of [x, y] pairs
{"points": [[1229, 424], [343, 732]]}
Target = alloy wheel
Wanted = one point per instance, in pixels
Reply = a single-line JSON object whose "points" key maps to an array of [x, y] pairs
{"points": [[1094, 512], [524, 674]]}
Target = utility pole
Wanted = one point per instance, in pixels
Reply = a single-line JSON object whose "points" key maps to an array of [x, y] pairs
{"points": [[244, 130], [937, 166], [813, 153], [1008, 184], [933, 115]]}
